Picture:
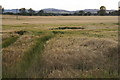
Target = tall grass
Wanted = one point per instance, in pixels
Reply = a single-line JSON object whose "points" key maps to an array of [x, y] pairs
{"points": [[31, 56], [9, 41]]}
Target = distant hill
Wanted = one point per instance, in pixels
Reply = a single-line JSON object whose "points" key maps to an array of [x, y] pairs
{"points": [[94, 10], [91, 10], [59, 11], [11, 10]]}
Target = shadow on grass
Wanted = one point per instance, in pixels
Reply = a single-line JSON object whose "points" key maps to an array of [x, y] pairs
{"points": [[62, 28]]}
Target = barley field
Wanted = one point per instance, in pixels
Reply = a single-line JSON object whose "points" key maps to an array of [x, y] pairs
{"points": [[60, 46]]}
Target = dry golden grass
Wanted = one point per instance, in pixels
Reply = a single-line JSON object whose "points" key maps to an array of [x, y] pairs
{"points": [[91, 52], [14, 52], [68, 56], [47, 22], [11, 20]]}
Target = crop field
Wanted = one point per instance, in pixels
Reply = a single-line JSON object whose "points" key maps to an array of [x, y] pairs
{"points": [[60, 46]]}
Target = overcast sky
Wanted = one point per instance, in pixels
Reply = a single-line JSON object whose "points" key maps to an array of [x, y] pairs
{"points": [[71, 5]]}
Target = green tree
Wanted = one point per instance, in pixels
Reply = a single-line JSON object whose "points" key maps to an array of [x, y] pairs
{"points": [[2, 10], [41, 13], [81, 13], [102, 11], [23, 11], [31, 11], [88, 13], [102, 8], [119, 11]]}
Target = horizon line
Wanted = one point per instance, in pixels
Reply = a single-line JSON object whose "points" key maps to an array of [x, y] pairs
{"points": [[58, 9]]}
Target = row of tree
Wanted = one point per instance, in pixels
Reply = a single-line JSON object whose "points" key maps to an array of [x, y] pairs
{"points": [[31, 12]]}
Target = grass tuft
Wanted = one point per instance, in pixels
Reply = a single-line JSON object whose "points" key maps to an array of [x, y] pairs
{"points": [[9, 41]]}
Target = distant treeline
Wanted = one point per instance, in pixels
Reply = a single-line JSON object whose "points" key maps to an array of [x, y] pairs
{"points": [[31, 12]]}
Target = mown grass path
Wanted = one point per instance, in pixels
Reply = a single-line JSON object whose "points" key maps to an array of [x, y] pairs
{"points": [[30, 57]]}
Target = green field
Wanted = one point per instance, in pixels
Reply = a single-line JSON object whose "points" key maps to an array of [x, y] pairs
{"points": [[60, 46]]}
